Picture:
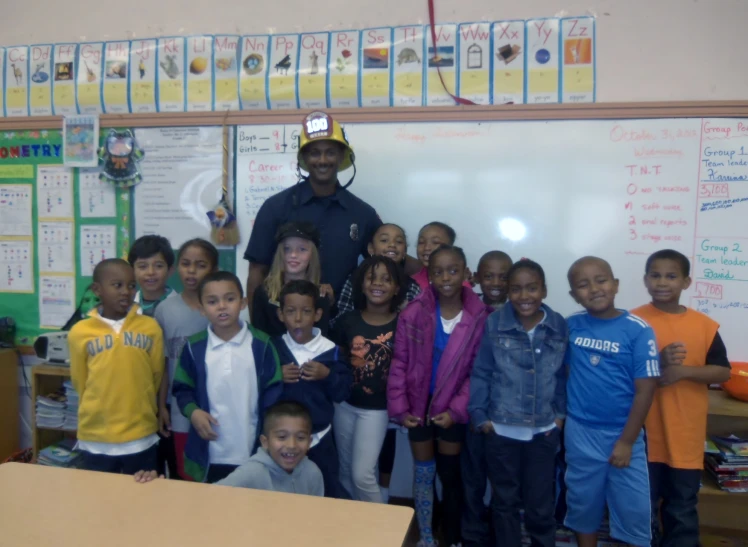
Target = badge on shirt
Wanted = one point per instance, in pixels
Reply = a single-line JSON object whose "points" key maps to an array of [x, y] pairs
{"points": [[354, 232], [594, 360]]}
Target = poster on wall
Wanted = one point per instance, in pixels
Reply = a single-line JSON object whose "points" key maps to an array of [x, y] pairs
{"points": [[475, 62], [342, 71], [200, 73], [80, 141], [16, 81], [142, 71], [375, 67], [226, 72], [88, 80], [441, 57], [116, 77], [182, 173], [312, 73], [508, 62], [2, 87], [542, 61], [283, 58], [63, 80], [578, 69], [254, 69], [40, 81], [407, 68], [170, 74]]}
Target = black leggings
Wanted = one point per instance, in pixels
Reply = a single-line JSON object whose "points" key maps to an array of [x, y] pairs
{"points": [[448, 469], [387, 454]]}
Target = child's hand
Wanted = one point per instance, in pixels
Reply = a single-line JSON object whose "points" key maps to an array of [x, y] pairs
{"points": [[671, 374], [673, 354], [486, 428], [443, 420], [164, 422], [201, 420], [147, 476], [314, 370], [326, 290], [291, 373], [559, 424], [621, 456], [411, 421]]}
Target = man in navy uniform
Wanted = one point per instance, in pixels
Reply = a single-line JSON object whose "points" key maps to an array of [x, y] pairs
{"points": [[345, 222]]}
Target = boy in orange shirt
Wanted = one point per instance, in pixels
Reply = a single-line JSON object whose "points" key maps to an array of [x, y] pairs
{"points": [[692, 356]]}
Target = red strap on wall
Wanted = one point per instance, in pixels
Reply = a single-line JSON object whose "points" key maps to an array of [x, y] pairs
{"points": [[432, 19]]}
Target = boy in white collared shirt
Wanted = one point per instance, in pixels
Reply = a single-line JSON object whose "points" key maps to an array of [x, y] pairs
{"points": [[313, 374], [227, 376]]}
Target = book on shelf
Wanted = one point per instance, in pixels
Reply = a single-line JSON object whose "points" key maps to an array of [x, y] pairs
{"points": [[60, 454]]}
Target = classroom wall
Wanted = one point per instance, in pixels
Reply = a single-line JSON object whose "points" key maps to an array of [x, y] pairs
{"points": [[647, 50]]}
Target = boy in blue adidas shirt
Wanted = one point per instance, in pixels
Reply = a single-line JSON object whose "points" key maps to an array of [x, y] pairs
{"points": [[613, 362]]}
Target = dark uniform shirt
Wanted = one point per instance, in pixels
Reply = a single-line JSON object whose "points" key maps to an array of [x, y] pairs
{"points": [[345, 222]]}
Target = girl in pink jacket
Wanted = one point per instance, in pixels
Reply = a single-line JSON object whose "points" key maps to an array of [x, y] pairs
{"points": [[437, 338]]}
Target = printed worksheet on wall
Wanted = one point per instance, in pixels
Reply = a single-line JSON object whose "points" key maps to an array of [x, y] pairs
{"points": [[97, 243], [54, 192], [97, 198], [16, 266], [15, 210], [56, 251], [56, 300]]}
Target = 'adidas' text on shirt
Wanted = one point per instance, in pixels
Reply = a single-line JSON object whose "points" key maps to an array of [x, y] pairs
{"points": [[600, 345]]}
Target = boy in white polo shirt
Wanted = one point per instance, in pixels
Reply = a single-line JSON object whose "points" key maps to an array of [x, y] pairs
{"points": [[313, 374], [227, 376]]}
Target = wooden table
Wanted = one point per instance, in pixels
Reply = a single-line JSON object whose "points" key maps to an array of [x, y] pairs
{"points": [[44, 506]]}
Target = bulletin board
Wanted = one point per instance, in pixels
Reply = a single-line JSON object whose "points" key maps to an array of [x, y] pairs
{"points": [[50, 238], [47, 252]]}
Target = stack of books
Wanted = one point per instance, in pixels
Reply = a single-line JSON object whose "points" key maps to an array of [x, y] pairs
{"points": [[71, 407], [60, 454], [726, 461], [50, 410]]}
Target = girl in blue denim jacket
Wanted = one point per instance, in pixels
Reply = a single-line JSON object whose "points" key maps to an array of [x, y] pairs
{"points": [[518, 400]]}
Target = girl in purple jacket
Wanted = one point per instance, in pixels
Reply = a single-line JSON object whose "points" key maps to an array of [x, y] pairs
{"points": [[437, 338]]}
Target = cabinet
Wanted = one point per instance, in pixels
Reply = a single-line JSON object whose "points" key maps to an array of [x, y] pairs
{"points": [[9, 359], [720, 512]]}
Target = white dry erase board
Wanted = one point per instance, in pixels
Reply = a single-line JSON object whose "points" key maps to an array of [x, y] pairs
{"points": [[550, 191]]}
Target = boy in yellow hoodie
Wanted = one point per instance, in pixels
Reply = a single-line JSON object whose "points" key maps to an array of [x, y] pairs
{"points": [[116, 364]]}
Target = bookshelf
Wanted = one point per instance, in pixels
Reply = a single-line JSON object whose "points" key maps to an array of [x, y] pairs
{"points": [[723, 512], [46, 379]]}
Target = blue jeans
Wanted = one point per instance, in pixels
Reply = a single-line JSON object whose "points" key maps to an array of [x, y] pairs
{"points": [[679, 491], [475, 528], [129, 464], [522, 475]]}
